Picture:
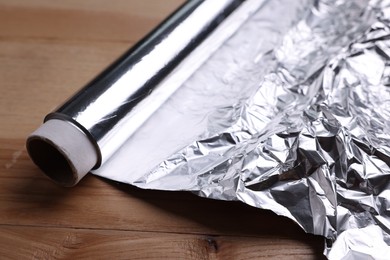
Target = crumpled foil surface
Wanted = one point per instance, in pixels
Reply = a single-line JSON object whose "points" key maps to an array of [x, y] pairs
{"points": [[313, 142]]}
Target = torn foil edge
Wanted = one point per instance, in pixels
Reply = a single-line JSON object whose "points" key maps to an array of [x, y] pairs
{"points": [[313, 143]]}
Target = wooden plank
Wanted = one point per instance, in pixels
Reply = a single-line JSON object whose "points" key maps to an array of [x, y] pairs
{"points": [[50, 243], [93, 20], [146, 8]]}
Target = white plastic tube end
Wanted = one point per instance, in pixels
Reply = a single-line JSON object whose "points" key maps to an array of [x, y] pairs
{"points": [[62, 151]]}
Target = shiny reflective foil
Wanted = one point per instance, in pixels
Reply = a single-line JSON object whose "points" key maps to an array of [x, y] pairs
{"points": [[291, 113], [312, 141]]}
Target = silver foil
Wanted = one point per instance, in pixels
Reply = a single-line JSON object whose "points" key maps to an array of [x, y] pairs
{"points": [[283, 105], [118, 101], [312, 141]]}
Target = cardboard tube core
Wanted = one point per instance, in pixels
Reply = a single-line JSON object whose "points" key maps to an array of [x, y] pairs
{"points": [[62, 151]]}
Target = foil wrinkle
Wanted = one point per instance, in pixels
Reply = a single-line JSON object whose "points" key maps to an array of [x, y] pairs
{"points": [[313, 141]]}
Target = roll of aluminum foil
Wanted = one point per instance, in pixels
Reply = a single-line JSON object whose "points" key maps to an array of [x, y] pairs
{"points": [[283, 105], [106, 112]]}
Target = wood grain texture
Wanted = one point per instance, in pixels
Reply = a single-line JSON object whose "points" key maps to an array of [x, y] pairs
{"points": [[48, 50]]}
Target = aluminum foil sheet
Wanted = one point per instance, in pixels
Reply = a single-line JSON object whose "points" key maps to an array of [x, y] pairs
{"points": [[312, 142], [289, 112]]}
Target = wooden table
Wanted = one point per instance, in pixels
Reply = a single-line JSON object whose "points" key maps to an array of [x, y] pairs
{"points": [[48, 50]]}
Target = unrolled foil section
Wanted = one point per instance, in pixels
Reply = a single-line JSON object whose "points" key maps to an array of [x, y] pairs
{"points": [[285, 106], [312, 142]]}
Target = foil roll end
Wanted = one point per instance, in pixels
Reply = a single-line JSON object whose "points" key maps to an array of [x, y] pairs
{"points": [[62, 151]]}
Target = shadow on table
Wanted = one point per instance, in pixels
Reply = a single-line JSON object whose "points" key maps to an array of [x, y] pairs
{"points": [[225, 217]]}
